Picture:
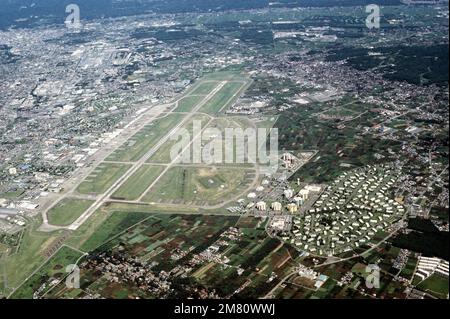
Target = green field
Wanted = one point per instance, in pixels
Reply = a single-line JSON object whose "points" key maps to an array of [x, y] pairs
{"points": [[138, 145], [67, 211], [204, 88], [102, 178], [230, 147], [116, 223], [408, 271], [223, 98], [186, 104], [340, 112], [12, 194], [138, 182], [194, 185], [231, 75], [162, 155], [435, 285], [159, 238], [28, 256], [53, 269]]}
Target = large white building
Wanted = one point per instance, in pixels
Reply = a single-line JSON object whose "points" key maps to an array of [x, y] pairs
{"points": [[261, 206], [276, 206], [304, 194]]}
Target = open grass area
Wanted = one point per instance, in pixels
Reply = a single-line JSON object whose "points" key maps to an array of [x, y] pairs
{"points": [[230, 145], [162, 155], [29, 256], [113, 219], [408, 271], [235, 142], [435, 285], [186, 104], [102, 178], [3, 248], [140, 143], [204, 88], [84, 232], [54, 269], [116, 223], [12, 194], [138, 182], [67, 211], [229, 75], [157, 209], [223, 98], [199, 186]]}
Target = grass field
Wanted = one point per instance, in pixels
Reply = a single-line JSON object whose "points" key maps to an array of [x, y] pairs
{"points": [[223, 98], [102, 178], [12, 194], [67, 211], [116, 223], [28, 256], [138, 145], [194, 185], [112, 220], [162, 155], [231, 75], [408, 271], [138, 182], [204, 88], [188, 103], [54, 268], [154, 209], [435, 285], [230, 146]]}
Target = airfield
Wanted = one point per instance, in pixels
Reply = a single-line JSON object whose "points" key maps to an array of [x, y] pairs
{"points": [[138, 173]]}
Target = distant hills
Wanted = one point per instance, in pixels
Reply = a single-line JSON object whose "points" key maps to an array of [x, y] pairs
{"points": [[30, 13]]}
